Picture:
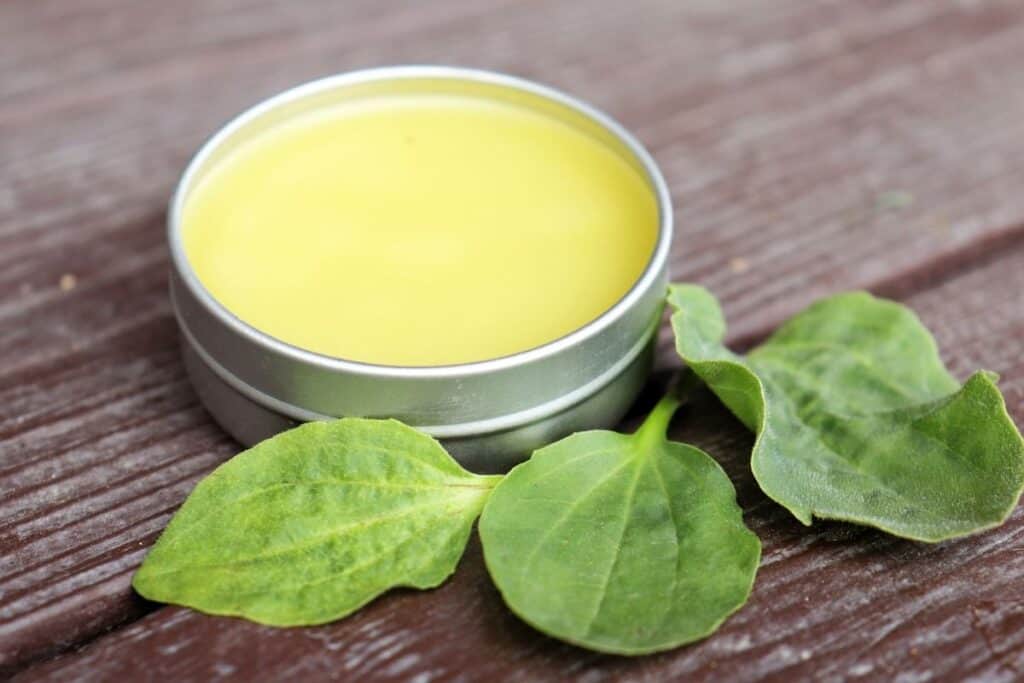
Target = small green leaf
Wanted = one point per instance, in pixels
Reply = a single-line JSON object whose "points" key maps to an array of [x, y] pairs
{"points": [[312, 524], [857, 419], [622, 544]]}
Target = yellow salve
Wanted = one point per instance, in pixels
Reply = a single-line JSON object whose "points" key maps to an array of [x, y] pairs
{"points": [[420, 230]]}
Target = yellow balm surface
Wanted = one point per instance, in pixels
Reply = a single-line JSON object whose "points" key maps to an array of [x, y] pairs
{"points": [[420, 230]]}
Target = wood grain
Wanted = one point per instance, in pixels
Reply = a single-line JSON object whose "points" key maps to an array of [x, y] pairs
{"points": [[832, 602], [810, 147]]}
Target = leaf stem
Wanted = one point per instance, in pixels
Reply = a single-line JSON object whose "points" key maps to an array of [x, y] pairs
{"points": [[656, 424]]}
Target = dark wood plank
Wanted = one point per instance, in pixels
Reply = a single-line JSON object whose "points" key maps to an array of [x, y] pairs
{"points": [[810, 146], [832, 602]]}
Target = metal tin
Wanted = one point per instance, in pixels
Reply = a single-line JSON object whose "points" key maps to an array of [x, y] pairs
{"points": [[489, 414]]}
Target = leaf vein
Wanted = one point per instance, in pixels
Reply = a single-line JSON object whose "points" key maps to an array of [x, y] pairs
{"points": [[603, 590]]}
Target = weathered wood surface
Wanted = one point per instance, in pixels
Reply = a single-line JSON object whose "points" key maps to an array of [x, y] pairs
{"points": [[832, 602], [810, 147]]}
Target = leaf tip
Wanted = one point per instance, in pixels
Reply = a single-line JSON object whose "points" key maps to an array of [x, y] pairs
{"points": [[141, 582], [684, 294], [991, 376], [805, 517]]}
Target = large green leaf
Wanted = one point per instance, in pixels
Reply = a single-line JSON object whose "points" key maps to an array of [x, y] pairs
{"points": [[857, 419], [623, 544], [310, 525]]}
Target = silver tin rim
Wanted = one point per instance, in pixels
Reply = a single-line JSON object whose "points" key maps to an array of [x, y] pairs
{"points": [[657, 260], [641, 289]]}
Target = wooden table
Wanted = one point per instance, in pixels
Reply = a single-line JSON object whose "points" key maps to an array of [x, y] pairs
{"points": [[811, 147]]}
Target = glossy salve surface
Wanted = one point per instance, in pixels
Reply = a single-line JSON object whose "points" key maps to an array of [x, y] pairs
{"points": [[420, 230]]}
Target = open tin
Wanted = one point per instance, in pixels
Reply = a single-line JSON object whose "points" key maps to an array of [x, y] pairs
{"points": [[490, 414]]}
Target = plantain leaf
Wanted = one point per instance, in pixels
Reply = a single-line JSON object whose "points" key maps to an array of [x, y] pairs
{"points": [[310, 525], [622, 544], [857, 419]]}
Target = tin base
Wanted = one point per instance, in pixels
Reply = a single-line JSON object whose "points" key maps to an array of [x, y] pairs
{"points": [[250, 422]]}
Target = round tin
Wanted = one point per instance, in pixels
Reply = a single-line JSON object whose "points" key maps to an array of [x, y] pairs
{"points": [[490, 414]]}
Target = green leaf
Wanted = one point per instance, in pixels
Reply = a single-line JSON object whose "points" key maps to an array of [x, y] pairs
{"points": [[857, 419], [622, 544], [312, 524]]}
